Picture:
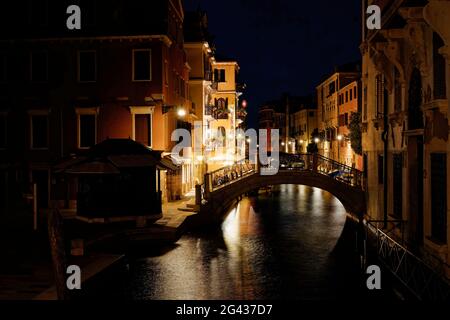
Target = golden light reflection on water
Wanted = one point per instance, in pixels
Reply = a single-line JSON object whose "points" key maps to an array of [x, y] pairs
{"points": [[284, 237]]}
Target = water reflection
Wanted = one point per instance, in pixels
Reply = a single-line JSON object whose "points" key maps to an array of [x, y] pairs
{"points": [[277, 245]]}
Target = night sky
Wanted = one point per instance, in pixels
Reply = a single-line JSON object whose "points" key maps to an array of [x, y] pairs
{"points": [[283, 45]]}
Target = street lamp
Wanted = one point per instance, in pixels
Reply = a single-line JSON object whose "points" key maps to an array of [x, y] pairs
{"points": [[181, 113], [339, 138], [316, 140]]}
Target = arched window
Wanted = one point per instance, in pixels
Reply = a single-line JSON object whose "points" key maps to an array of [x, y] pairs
{"points": [[439, 69], [415, 116], [221, 104]]}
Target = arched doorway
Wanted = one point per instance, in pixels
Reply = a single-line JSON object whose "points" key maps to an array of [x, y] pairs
{"points": [[415, 158]]}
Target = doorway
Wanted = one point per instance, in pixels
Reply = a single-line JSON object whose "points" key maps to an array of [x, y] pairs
{"points": [[41, 179], [415, 169]]}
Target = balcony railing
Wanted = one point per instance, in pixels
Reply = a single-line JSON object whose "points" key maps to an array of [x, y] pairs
{"points": [[218, 114]]}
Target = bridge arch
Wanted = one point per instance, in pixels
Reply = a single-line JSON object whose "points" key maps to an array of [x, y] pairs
{"points": [[352, 198]]}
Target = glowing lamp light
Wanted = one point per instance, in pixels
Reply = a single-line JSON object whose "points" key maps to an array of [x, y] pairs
{"points": [[340, 137], [181, 112], [316, 140], [301, 141], [283, 144], [239, 136], [244, 104], [248, 140]]}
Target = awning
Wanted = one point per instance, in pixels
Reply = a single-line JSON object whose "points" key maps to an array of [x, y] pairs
{"points": [[65, 164], [133, 161], [167, 164], [94, 167]]}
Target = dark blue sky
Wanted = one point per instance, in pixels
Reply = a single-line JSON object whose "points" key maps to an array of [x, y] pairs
{"points": [[283, 45]]}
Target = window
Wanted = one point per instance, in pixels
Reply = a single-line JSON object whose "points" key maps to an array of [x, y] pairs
{"points": [[3, 132], [397, 185], [311, 114], [380, 169], [351, 95], [39, 67], [379, 91], [331, 88], [398, 92], [365, 104], [39, 131], [143, 129], [142, 65], [439, 197], [439, 68], [142, 125], [3, 68], [341, 120], [87, 66], [355, 93], [87, 130], [346, 119], [219, 75], [346, 96], [166, 72]]}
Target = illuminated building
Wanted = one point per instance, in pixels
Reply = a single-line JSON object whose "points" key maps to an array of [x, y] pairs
{"points": [[406, 92]]}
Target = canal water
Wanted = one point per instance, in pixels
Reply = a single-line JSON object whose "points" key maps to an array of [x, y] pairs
{"points": [[281, 245]]}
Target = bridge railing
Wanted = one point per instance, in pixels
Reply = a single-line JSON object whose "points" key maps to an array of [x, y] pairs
{"points": [[340, 171], [323, 165], [312, 162], [224, 176]]}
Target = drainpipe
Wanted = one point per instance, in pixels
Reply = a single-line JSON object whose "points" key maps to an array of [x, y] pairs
{"points": [[385, 138]]}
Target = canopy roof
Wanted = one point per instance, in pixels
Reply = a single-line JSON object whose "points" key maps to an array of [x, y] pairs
{"points": [[112, 155]]}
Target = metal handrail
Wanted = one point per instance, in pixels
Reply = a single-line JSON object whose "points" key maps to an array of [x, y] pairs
{"points": [[313, 162], [416, 275], [230, 174]]}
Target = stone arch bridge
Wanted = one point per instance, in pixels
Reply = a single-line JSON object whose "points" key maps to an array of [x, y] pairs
{"points": [[224, 187]]}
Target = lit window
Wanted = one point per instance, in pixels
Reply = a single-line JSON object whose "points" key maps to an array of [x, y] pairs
{"points": [[142, 65]]}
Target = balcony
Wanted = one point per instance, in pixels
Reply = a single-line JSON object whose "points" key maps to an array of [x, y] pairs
{"points": [[218, 114]]}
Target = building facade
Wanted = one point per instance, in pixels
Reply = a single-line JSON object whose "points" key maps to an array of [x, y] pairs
{"points": [[222, 116], [349, 102], [328, 93], [63, 91], [406, 88], [303, 123]]}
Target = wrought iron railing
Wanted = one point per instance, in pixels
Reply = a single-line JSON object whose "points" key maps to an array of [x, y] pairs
{"points": [[421, 279], [216, 113], [295, 162], [230, 174], [340, 171], [331, 168]]}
